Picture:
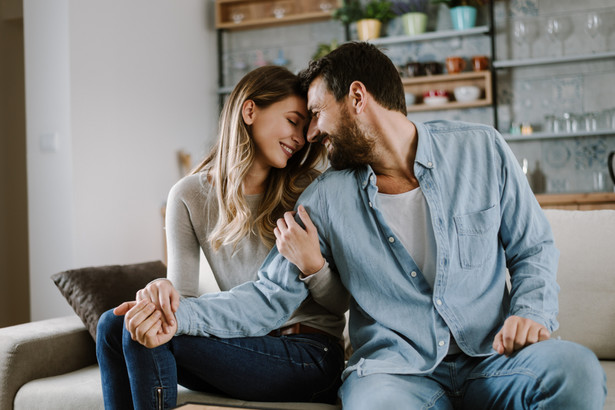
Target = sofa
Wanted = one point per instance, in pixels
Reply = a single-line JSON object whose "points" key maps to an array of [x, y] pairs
{"points": [[51, 364]]}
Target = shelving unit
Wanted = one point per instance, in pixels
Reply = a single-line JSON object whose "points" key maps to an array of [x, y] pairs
{"points": [[448, 82], [251, 14]]}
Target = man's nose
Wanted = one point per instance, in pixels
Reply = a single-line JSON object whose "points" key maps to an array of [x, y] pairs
{"points": [[313, 131]]}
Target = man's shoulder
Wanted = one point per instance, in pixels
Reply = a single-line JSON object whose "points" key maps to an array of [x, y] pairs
{"points": [[444, 126], [333, 180]]}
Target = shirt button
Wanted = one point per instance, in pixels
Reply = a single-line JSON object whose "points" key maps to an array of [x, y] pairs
{"points": [[371, 178], [391, 239], [441, 343], [430, 164], [413, 274], [370, 205], [438, 302]]}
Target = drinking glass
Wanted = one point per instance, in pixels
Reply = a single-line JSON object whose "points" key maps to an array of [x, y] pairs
{"points": [[525, 32], [559, 29], [593, 25]]}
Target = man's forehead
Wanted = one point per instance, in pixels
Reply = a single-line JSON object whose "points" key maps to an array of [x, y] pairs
{"points": [[317, 92]]}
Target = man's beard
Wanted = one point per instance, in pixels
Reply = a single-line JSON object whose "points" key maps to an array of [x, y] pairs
{"points": [[351, 147]]}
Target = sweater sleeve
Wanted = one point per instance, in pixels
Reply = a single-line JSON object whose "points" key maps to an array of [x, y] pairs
{"points": [[327, 290], [183, 249]]}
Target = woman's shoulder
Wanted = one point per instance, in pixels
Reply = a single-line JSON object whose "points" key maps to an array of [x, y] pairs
{"points": [[190, 186]]}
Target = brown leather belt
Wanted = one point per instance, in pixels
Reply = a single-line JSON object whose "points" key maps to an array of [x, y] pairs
{"points": [[296, 329]]}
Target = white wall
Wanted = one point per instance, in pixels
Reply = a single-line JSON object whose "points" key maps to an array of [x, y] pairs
{"points": [[122, 86]]}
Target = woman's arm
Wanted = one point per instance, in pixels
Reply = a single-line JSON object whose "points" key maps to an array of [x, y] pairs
{"points": [[302, 248]]}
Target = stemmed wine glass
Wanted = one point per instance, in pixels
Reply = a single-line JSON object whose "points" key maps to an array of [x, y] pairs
{"points": [[593, 25], [525, 31], [559, 29]]}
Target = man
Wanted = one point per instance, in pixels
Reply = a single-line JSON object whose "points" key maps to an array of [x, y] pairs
{"points": [[421, 221]]}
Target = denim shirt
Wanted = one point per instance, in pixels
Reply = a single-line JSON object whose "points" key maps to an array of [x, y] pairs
{"points": [[485, 220]]}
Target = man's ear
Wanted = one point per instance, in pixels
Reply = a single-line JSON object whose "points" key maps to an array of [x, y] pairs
{"points": [[357, 94], [248, 112]]}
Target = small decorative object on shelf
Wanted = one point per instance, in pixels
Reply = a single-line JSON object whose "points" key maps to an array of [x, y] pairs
{"points": [[369, 19], [463, 12], [249, 14], [413, 14]]}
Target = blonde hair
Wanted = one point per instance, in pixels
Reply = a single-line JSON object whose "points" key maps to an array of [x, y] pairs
{"points": [[230, 159]]}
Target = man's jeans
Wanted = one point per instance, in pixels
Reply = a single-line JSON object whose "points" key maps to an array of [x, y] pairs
{"points": [[548, 375], [287, 368]]}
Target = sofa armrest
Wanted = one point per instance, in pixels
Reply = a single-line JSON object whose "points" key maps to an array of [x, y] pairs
{"points": [[41, 349]]}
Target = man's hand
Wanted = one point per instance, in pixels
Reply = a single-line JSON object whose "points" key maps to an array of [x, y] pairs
{"points": [[165, 297], [144, 322], [517, 333], [300, 246]]}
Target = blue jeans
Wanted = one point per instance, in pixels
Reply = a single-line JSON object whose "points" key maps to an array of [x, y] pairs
{"points": [[553, 374], [304, 367]]}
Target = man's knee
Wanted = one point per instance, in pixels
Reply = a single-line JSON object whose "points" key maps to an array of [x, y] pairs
{"points": [[574, 372]]}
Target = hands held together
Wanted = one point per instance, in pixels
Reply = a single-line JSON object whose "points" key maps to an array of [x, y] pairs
{"points": [[151, 318]]}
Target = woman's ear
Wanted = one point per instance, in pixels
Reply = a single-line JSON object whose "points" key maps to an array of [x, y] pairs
{"points": [[248, 112]]}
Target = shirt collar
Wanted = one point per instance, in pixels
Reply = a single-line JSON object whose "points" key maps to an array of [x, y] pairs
{"points": [[424, 152]]}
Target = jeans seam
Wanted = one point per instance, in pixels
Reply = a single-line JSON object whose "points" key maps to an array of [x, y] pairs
{"points": [[507, 373]]}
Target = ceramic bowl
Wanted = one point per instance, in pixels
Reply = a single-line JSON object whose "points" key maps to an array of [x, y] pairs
{"points": [[467, 93], [435, 97], [410, 98]]}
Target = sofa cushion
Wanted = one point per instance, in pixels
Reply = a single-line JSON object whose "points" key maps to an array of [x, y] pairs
{"points": [[94, 290], [586, 275]]}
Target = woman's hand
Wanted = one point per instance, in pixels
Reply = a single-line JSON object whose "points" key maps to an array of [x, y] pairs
{"points": [[144, 322], [165, 298], [300, 246]]}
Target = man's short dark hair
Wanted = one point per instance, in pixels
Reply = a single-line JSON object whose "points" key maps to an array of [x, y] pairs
{"points": [[358, 61]]}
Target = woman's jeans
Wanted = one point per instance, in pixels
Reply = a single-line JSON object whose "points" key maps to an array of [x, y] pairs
{"points": [[553, 374], [304, 367]]}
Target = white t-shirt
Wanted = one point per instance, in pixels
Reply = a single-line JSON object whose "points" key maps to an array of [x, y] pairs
{"points": [[410, 220]]}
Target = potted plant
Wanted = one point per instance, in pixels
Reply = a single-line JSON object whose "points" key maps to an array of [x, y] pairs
{"points": [[463, 12], [369, 18], [413, 14]]}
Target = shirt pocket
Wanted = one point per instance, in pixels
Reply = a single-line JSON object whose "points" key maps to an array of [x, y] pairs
{"points": [[477, 236]]}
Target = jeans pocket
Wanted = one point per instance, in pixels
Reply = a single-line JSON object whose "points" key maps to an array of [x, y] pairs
{"points": [[477, 236]]}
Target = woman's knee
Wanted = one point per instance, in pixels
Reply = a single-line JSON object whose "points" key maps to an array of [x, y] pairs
{"points": [[109, 329]]}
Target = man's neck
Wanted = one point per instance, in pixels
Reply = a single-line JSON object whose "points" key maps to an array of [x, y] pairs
{"points": [[394, 162]]}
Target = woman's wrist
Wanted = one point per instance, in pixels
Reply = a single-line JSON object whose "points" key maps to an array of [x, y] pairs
{"points": [[314, 268]]}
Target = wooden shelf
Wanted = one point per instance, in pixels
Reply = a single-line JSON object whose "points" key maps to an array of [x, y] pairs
{"points": [[582, 201], [448, 82], [261, 13]]}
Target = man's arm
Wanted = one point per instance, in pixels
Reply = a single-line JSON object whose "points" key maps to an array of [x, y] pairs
{"points": [[531, 259], [250, 309]]}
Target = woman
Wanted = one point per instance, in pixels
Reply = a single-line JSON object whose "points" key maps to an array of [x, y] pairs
{"points": [[229, 207]]}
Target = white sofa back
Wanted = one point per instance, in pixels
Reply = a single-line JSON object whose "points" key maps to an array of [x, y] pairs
{"points": [[586, 276]]}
